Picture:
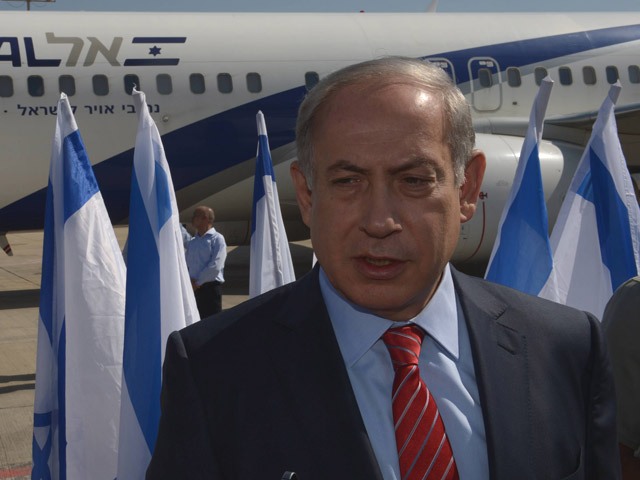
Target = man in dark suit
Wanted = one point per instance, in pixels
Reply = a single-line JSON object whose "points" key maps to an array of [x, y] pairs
{"points": [[333, 376]]}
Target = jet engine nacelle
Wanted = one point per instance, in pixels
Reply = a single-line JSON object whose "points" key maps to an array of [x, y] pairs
{"points": [[558, 162]]}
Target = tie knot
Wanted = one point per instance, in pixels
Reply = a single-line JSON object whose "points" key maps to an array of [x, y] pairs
{"points": [[404, 344]]}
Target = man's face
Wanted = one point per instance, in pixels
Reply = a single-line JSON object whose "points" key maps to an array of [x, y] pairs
{"points": [[199, 220], [384, 210]]}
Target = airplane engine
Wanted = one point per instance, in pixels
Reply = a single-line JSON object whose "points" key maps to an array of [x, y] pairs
{"points": [[558, 162]]}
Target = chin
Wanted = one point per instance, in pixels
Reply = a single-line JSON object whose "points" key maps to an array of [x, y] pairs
{"points": [[385, 308]]}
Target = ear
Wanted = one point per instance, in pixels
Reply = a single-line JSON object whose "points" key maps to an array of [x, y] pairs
{"points": [[470, 189], [303, 194]]}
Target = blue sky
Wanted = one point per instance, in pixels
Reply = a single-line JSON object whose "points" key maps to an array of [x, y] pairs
{"points": [[329, 5]]}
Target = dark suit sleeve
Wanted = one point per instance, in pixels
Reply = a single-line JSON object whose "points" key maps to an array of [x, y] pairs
{"points": [[183, 447], [602, 458]]}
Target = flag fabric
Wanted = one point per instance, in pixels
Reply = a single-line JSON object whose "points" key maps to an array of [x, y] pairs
{"points": [[521, 256], [159, 299], [81, 323], [270, 260], [596, 238]]}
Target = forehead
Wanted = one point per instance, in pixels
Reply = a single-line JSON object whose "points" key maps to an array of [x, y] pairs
{"points": [[386, 103], [380, 118]]}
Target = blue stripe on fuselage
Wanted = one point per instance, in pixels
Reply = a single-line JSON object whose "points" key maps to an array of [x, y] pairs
{"points": [[194, 152], [214, 144], [538, 50]]}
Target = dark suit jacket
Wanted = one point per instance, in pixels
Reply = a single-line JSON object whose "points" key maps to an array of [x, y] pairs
{"points": [[262, 388]]}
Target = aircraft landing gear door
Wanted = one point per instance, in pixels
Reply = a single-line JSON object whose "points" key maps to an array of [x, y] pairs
{"points": [[486, 87]]}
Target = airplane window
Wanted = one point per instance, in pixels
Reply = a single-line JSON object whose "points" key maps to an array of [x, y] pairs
{"points": [[6, 86], [35, 84], [196, 82], [612, 74], [131, 81], [444, 64], [513, 77], [589, 75], [485, 78], [311, 79], [225, 83], [634, 73], [164, 84], [566, 78], [67, 84], [254, 82], [540, 73], [100, 85]]}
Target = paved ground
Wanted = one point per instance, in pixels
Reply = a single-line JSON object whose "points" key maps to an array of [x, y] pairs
{"points": [[19, 296]]}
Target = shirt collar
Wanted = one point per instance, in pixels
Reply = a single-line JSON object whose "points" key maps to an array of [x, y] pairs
{"points": [[357, 335], [208, 233], [440, 317]]}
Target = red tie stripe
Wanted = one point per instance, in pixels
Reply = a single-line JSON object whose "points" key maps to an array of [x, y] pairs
{"points": [[424, 451]]}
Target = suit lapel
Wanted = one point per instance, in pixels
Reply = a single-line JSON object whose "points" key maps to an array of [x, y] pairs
{"points": [[310, 367], [501, 364]]}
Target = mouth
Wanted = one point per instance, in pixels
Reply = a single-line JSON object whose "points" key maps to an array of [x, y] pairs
{"points": [[378, 262], [379, 268]]}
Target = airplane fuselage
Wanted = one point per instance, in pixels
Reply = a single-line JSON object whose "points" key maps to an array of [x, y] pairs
{"points": [[206, 76]]}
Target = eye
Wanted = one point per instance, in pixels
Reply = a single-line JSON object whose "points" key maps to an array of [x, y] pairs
{"points": [[417, 184], [419, 180], [415, 180], [350, 180]]}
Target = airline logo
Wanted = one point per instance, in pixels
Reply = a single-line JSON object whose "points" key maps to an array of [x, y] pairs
{"points": [[85, 51]]}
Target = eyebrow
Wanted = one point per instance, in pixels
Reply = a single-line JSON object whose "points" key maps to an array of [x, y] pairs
{"points": [[346, 165], [416, 162]]}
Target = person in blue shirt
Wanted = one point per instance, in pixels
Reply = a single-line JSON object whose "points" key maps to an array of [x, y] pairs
{"points": [[206, 253]]}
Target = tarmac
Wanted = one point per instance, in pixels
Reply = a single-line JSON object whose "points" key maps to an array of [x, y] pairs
{"points": [[19, 297]]}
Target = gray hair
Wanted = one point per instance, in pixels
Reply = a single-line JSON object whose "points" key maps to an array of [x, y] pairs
{"points": [[460, 136]]}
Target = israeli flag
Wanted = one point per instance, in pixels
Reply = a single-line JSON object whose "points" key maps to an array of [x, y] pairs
{"points": [[159, 294], [81, 324], [521, 256], [596, 239], [270, 260]]}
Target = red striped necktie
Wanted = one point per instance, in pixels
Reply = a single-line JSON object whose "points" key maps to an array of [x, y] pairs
{"points": [[424, 451]]}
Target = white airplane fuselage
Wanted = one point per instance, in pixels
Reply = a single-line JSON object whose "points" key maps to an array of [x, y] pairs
{"points": [[207, 75]]}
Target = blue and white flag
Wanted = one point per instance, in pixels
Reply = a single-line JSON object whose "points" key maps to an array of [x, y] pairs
{"points": [[270, 262], [159, 294], [596, 239], [81, 324], [521, 256]]}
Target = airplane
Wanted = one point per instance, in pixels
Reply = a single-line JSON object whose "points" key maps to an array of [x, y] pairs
{"points": [[206, 75]]}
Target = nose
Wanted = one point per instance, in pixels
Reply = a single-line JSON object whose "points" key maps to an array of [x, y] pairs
{"points": [[379, 218]]}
